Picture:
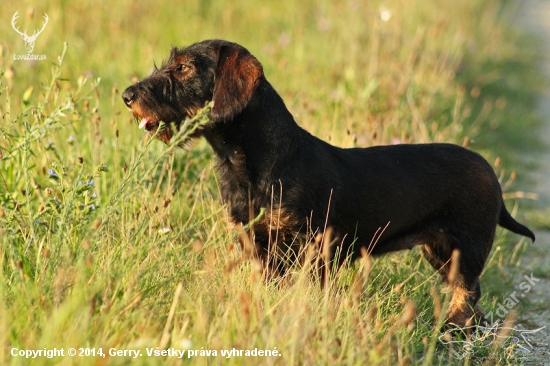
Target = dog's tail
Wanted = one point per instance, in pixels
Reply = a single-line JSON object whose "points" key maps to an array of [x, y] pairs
{"points": [[508, 222]]}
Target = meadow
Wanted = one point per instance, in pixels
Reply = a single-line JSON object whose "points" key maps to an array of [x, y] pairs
{"points": [[110, 240]]}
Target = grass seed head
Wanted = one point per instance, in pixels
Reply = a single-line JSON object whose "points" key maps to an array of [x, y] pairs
{"points": [[455, 266], [408, 315]]}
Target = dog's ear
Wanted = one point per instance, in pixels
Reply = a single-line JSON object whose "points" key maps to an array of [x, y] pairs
{"points": [[237, 75]]}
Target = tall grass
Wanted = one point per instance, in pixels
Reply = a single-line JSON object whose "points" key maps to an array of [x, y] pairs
{"points": [[111, 240]]}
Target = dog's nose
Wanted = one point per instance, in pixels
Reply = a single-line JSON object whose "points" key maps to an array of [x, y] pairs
{"points": [[128, 96]]}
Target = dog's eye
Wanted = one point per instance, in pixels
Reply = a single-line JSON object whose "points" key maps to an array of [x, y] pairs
{"points": [[183, 68]]}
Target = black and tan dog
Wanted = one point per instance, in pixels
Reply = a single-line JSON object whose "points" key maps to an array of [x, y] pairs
{"points": [[385, 198]]}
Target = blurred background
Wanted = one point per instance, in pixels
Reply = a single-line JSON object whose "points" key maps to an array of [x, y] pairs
{"points": [[381, 70]]}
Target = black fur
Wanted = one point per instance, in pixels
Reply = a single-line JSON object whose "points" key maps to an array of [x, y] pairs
{"points": [[384, 198]]}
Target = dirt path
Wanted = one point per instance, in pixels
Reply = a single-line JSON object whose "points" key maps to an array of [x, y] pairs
{"points": [[534, 17]]}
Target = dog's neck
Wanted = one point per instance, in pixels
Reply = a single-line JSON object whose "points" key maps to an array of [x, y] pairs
{"points": [[256, 132], [254, 147]]}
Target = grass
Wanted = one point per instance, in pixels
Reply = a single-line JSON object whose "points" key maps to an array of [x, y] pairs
{"points": [[110, 240]]}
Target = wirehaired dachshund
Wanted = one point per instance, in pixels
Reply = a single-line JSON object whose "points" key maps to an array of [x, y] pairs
{"points": [[294, 186]]}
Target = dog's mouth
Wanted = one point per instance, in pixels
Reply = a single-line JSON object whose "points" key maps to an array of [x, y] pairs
{"points": [[151, 126], [148, 124], [146, 121], [157, 125]]}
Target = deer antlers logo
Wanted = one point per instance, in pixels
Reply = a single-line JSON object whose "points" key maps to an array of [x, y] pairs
{"points": [[29, 40]]}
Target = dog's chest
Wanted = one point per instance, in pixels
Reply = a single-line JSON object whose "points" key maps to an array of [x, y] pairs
{"points": [[234, 182]]}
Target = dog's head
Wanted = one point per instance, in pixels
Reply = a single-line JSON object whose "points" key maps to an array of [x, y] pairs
{"points": [[213, 70]]}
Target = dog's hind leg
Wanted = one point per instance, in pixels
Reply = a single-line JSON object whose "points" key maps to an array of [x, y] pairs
{"points": [[438, 254], [465, 288], [463, 309]]}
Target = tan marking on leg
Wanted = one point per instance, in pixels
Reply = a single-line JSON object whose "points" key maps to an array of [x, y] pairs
{"points": [[460, 312]]}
